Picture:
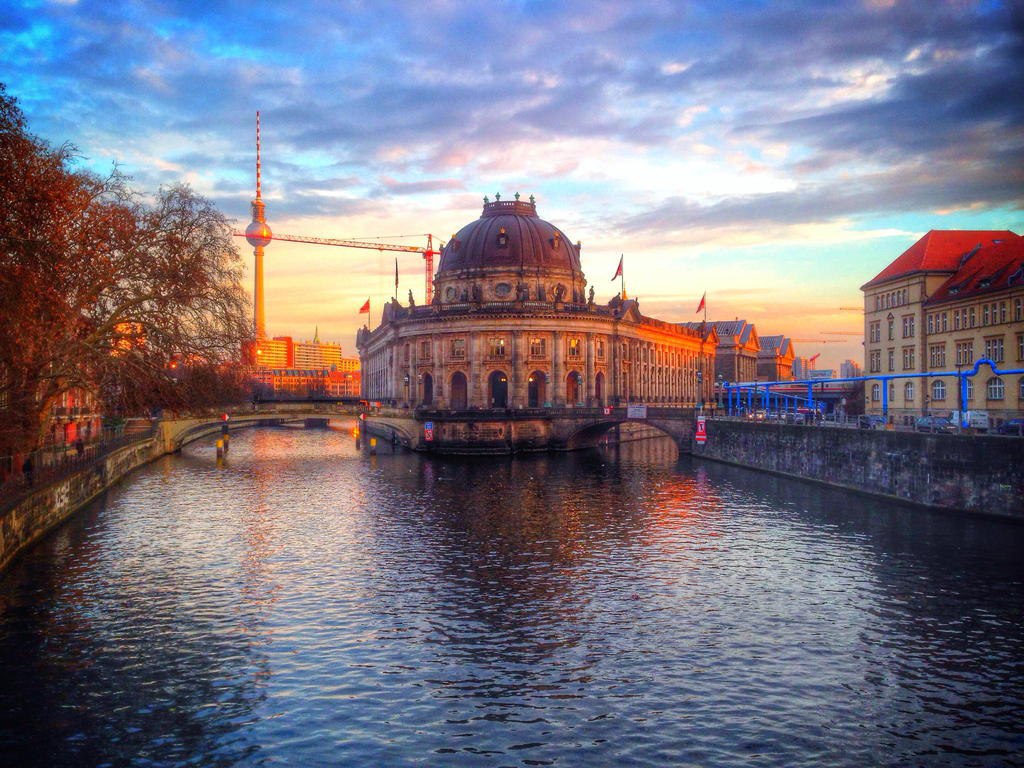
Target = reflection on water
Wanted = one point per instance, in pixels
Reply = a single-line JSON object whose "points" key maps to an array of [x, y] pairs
{"points": [[307, 603]]}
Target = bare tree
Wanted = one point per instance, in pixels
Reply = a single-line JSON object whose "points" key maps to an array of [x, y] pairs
{"points": [[99, 287]]}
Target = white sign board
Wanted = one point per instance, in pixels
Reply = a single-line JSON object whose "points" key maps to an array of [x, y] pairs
{"points": [[636, 411]]}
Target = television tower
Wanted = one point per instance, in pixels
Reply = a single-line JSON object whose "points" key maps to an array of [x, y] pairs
{"points": [[258, 235]]}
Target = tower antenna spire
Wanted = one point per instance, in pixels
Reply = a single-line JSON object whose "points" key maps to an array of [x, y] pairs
{"points": [[258, 175], [259, 236]]}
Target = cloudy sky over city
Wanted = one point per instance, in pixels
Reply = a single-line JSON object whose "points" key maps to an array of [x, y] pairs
{"points": [[774, 154]]}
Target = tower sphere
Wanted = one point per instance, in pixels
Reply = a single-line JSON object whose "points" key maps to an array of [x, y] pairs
{"points": [[258, 234]]}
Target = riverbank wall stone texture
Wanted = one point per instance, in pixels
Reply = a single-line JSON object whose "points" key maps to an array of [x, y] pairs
{"points": [[974, 473], [50, 505]]}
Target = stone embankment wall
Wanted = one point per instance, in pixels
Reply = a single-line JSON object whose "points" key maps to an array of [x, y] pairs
{"points": [[51, 505], [976, 473]]}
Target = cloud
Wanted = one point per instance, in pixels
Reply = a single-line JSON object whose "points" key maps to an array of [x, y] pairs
{"points": [[644, 125]]}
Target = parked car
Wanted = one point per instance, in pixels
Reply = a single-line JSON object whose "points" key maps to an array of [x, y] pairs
{"points": [[935, 424], [870, 421], [1011, 427]]}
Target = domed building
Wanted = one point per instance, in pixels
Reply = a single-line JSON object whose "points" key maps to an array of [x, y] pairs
{"points": [[513, 326]]}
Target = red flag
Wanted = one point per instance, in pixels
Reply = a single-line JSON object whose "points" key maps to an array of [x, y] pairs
{"points": [[701, 305], [618, 270], [365, 309]]}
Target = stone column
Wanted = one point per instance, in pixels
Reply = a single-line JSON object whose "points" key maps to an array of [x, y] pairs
{"points": [[517, 373], [557, 393], [590, 370], [440, 372], [476, 351]]}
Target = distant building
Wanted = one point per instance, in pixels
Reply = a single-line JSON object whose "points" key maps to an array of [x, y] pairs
{"points": [[304, 369], [799, 367], [952, 297], [275, 353], [775, 359], [737, 350], [849, 369], [316, 354], [344, 383]]}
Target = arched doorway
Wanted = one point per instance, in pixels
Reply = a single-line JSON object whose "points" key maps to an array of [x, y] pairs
{"points": [[536, 389], [497, 387], [428, 389], [573, 388], [599, 390], [458, 390]]}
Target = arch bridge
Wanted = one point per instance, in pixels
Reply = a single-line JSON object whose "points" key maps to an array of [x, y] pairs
{"points": [[500, 430], [175, 434]]}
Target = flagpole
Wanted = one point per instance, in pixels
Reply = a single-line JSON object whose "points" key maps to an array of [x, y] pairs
{"points": [[622, 278]]}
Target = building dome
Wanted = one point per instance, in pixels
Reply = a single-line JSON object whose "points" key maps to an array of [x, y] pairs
{"points": [[509, 242]]}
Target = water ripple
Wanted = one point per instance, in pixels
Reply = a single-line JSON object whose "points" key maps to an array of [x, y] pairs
{"points": [[308, 604]]}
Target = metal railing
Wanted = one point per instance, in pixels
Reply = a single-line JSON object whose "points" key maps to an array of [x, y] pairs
{"points": [[52, 464]]}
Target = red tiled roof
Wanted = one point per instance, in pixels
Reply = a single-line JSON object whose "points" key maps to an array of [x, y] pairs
{"points": [[990, 270], [939, 251]]}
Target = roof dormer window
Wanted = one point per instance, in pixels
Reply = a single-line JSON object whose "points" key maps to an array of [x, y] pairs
{"points": [[502, 241]]}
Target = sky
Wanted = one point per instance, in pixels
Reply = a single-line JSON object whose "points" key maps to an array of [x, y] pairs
{"points": [[773, 155]]}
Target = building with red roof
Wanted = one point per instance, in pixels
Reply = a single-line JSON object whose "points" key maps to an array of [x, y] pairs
{"points": [[951, 298]]}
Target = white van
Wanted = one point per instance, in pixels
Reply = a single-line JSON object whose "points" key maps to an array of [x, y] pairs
{"points": [[972, 420]]}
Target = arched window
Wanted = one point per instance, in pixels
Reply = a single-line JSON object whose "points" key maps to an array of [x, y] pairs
{"points": [[536, 389], [428, 389], [908, 392], [497, 384], [573, 388], [876, 393], [995, 390], [458, 391], [938, 390]]}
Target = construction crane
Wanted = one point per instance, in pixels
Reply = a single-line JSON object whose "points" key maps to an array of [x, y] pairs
{"points": [[428, 253], [841, 333], [819, 341], [852, 309]]}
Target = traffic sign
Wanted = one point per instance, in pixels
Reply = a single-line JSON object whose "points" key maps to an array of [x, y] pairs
{"points": [[702, 433]]}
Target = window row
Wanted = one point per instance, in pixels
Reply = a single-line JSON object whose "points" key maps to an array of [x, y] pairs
{"points": [[497, 347], [896, 298], [995, 389]]}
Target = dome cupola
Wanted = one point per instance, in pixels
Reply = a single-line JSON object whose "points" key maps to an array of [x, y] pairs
{"points": [[507, 247]]}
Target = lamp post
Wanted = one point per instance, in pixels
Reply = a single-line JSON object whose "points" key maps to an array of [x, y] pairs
{"points": [[406, 382]]}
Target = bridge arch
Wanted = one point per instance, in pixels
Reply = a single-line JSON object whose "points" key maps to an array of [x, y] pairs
{"points": [[589, 434]]}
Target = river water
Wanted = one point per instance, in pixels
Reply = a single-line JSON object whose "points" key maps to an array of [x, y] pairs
{"points": [[305, 603]]}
